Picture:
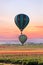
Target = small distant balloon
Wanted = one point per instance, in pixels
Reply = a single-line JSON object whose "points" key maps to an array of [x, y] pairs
{"points": [[22, 38], [22, 20]]}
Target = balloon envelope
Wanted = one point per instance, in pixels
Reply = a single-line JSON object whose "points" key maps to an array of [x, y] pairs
{"points": [[22, 38], [21, 20]]}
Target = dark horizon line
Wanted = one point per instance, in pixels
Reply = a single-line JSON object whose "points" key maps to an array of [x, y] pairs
{"points": [[15, 40]]}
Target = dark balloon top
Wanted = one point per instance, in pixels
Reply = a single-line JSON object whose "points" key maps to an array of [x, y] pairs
{"points": [[21, 20]]}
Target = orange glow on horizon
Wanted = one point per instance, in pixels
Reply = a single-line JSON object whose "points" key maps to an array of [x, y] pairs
{"points": [[14, 32], [34, 32]]}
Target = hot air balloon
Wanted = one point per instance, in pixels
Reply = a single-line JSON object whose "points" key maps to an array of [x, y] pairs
{"points": [[22, 38], [21, 20]]}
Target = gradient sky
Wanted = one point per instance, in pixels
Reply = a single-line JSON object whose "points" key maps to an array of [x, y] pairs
{"points": [[10, 8]]}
